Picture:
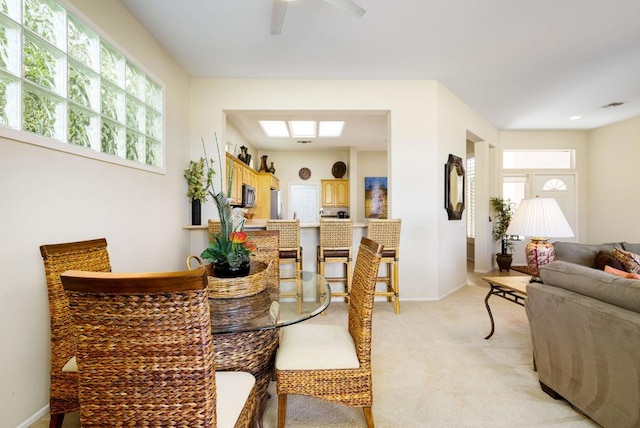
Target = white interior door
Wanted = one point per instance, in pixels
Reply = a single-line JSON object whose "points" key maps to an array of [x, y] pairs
{"points": [[303, 201], [562, 187]]}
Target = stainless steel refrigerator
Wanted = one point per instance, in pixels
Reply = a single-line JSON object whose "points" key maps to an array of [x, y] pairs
{"points": [[276, 205]]}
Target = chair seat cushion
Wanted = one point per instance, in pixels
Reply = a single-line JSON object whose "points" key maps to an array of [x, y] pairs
{"points": [[232, 391], [388, 253], [71, 366], [336, 253], [316, 347]]}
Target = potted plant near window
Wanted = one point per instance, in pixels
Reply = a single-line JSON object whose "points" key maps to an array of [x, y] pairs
{"points": [[504, 210], [199, 181]]}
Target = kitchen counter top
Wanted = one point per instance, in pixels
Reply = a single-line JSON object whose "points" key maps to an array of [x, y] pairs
{"points": [[257, 224]]}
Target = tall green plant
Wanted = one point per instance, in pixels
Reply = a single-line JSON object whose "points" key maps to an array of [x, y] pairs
{"points": [[504, 210]]}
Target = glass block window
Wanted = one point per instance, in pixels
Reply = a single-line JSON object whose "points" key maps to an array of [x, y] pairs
{"points": [[60, 80]]}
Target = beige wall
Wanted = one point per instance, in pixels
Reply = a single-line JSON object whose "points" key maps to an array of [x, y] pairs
{"points": [[50, 196], [612, 182], [426, 122]]}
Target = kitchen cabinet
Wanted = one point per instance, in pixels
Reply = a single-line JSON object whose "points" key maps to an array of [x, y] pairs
{"points": [[265, 183], [335, 193], [242, 174]]}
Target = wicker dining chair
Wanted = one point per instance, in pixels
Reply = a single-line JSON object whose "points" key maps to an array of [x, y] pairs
{"points": [[336, 240], [330, 361], [387, 233], [290, 249], [145, 353], [89, 255]]}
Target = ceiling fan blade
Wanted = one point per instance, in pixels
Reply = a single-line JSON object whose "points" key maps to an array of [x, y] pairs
{"points": [[277, 16], [348, 5]]}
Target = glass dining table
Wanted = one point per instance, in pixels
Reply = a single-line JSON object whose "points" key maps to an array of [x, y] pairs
{"points": [[245, 328]]}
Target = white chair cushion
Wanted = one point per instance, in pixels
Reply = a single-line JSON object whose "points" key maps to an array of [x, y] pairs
{"points": [[71, 366], [232, 391], [316, 347]]}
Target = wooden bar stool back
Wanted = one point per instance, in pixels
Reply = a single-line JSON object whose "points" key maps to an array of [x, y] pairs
{"points": [[267, 244], [89, 255], [387, 233], [290, 249], [336, 241]]}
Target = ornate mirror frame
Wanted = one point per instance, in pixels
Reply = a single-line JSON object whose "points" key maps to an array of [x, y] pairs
{"points": [[454, 180]]}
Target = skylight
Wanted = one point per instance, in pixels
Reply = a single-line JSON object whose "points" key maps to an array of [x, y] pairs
{"points": [[274, 128], [331, 128], [302, 128]]}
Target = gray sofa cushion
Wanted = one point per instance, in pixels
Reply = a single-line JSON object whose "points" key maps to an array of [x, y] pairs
{"points": [[581, 254], [634, 248], [594, 283]]}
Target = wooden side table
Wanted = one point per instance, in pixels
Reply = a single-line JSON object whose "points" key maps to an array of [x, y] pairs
{"points": [[511, 288]]}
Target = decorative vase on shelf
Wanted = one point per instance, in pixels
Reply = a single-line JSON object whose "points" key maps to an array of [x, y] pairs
{"points": [[272, 169], [243, 154], [196, 212], [263, 165]]}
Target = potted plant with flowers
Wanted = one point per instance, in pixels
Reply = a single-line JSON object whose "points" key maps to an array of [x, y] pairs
{"points": [[229, 250]]}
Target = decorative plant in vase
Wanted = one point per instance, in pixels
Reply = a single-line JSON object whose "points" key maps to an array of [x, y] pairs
{"points": [[199, 181], [229, 250], [504, 210]]}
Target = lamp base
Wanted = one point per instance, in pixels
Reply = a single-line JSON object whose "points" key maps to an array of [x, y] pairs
{"points": [[539, 253]]}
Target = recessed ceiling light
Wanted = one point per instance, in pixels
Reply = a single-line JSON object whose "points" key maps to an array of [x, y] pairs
{"points": [[575, 117], [303, 128], [274, 128], [330, 128]]}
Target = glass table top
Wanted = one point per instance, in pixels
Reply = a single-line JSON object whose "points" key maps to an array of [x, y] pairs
{"points": [[301, 297]]}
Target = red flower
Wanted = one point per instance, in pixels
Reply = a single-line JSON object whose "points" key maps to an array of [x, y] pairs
{"points": [[250, 246], [238, 237]]}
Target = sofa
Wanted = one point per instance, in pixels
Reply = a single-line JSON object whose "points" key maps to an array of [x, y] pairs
{"points": [[585, 332]]}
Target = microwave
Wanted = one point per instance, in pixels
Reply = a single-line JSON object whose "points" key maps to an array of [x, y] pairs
{"points": [[248, 196]]}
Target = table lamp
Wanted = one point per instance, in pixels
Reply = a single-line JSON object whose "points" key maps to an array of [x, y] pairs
{"points": [[539, 218]]}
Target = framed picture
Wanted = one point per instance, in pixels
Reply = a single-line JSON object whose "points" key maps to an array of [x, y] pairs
{"points": [[375, 197]]}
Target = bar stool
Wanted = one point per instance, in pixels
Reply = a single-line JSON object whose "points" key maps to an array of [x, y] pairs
{"points": [[214, 228], [387, 233], [336, 239], [290, 249]]}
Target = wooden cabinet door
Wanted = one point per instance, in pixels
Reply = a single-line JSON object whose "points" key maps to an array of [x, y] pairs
{"points": [[328, 193], [342, 193]]}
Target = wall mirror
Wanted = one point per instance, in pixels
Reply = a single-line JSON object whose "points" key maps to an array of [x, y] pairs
{"points": [[454, 187]]}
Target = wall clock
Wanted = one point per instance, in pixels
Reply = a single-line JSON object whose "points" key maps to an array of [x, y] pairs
{"points": [[304, 173]]}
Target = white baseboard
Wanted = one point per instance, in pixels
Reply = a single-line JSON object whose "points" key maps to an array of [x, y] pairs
{"points": [[35, 417]]}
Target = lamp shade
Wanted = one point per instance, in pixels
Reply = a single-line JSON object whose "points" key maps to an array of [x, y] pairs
{"points": [[539, 217]]}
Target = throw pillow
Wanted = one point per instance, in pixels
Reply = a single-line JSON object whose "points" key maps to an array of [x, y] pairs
{"points": [[621, 273], [630, 261], [606, 259]]}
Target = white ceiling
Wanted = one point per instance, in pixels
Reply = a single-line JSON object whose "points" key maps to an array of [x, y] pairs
{"points": [[521, 65]]}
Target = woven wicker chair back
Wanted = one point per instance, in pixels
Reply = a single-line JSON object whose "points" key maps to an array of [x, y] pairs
{"points": [[289, 232], [145, 351], [385, 232], [363, 288], [267, 251], [336, 233], [89, 255], [214, 228]]}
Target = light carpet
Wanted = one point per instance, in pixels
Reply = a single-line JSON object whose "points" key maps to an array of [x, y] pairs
{"points": [[433, 367]]}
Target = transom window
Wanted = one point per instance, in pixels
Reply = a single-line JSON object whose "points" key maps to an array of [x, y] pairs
{"points": [[537, 159], [61, 80]]}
